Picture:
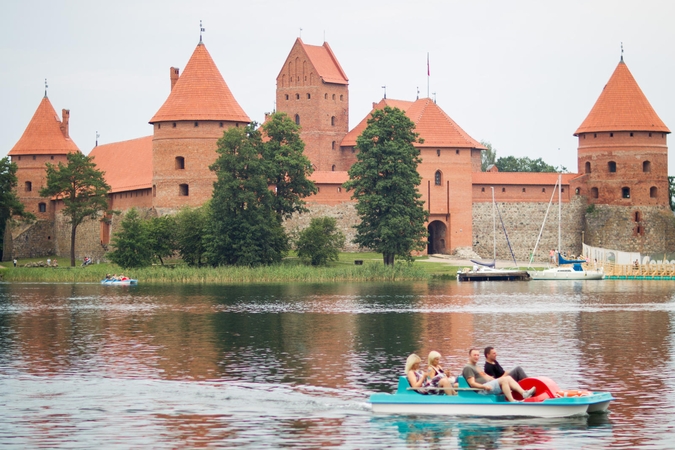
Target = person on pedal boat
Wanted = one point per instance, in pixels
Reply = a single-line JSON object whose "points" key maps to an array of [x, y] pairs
{"points": [[485, 384]]}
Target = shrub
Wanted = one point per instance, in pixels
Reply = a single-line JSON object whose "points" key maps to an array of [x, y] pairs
{"points": [[320, 242], [133, 248]]}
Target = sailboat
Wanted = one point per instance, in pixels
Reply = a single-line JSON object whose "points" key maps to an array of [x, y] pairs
{"points": [[567, 269]]}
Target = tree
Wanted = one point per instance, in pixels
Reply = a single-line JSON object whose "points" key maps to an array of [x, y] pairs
{"points": [[384, 182], [162, 233], [487, 157], [245, 228], [133, 247], [191, 227], [81, 187], [525, 164], [10, 206], [289, 167], [320, 242], [671, 192]]}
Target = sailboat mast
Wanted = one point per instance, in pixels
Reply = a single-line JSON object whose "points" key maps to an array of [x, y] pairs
{"points": [[559, 214], [494, 228]]}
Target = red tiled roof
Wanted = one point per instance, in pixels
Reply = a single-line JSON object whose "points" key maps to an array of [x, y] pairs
{"points": [[520, 178], [43, 135], [324, 61], [622, 107], [329, 177], [431, 122], [200, 94], [127, 164]]}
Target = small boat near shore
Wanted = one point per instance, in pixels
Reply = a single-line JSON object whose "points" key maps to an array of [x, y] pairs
{"points": [[111, 282], [549, 402]]}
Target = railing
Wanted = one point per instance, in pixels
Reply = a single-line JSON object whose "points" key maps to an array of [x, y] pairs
{"points": [[639, 270]]}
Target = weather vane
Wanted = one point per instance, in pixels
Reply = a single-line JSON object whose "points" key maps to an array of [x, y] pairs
{"points": [[385, 91], [300, 33], [97, 136], [434, 94], [201, 30], [46, 87], [622, 51], [418, 92]]}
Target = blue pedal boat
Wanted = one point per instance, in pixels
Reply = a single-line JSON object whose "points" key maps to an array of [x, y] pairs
{"points": [[545, 403]]}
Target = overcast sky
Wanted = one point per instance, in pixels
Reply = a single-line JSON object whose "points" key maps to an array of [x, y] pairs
{"points": [[522, 75]]}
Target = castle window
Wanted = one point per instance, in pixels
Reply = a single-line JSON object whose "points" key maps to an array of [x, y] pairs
{"points": [[183, 190], [503, 189], [611, 166], [19, 158], [625, 192], [595, 135], [594, 192], [220, 124], [332, 145], [297, 119], [42, 207], [325, 96], [638, 216], [339, 189], [308, 96], [587, 167], [482, 189], [34, 157], [318, 189], [333, 96], [51, 157], [333, 168], [159, 125], [562, 191], [180, 163], [653, 191], [196, 124], [438, 152], [631, 134], [650, 135], [286, 96], [174, 125], [640, 231], [297, 96], [154, 190], [332, 120], [543, 189], [646, 166], [523, 189], [611, 134], [457, 152], [576, 191], [29, 186], [438, 178], [340, 97], [353, 149]]}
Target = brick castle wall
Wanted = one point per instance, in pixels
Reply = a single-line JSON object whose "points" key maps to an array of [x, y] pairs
{"points": [[32, 174]]}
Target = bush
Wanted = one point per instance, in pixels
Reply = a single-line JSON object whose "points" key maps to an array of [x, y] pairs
{"points": [[133, 248], [320, 242]]}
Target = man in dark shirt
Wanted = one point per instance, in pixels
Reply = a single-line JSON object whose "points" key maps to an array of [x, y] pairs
{"points": [[485, 384], [493, 368]]}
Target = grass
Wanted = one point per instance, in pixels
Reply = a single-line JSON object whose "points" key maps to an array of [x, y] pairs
{"points": [[290, 270]]}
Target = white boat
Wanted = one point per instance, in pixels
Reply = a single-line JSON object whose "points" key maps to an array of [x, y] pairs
{"points": [[566, 269]]}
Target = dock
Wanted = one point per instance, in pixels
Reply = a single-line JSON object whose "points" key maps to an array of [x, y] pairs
{"points": [[506, 275]]}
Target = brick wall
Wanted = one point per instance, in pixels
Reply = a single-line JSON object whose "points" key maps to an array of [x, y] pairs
{"points": [[31, 168]]}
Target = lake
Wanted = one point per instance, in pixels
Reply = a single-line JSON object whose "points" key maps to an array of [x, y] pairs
{"points": [[84, 366]]}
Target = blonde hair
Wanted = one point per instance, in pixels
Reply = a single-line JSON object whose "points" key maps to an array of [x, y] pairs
{"points": [[433, 355], [411, 361]]}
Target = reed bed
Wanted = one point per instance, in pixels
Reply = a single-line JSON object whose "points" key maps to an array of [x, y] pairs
{"points": [[281, 273]]}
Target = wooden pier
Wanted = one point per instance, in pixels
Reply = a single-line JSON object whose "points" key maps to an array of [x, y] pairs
{"points": [[506, 275]]}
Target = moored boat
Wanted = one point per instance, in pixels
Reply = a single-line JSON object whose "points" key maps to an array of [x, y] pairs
{"points": [[549, 402]]}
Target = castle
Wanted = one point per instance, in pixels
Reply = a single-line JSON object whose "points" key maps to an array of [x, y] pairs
{"points": [[619, 198]]}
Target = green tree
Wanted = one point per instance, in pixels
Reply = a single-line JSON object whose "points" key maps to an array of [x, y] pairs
{"points": [[320, 242], [671, 191], [525, 164], [81, 187], [191, 226], [288, 167], [245, 228], [487, 157], [10, 206], [384, 182], [132, 243], [162, 232]]}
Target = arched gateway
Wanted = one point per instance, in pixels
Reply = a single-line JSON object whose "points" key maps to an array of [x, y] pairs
{"points": [[437, 237]]}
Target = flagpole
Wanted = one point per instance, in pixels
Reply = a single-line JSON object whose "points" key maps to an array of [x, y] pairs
{"points": [[428, 74]]}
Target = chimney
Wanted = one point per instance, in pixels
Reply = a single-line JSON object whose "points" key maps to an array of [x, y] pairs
{"points": [[174, 74], [65, 115]]}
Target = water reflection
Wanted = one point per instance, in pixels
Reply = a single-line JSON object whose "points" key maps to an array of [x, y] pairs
{"points": [[293, 364]]}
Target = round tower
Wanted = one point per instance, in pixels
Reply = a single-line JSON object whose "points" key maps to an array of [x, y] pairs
{"points": [[187, 127], [623, 162]]}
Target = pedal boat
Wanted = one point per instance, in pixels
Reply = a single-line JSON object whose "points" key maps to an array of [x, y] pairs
{"points": [[119, 282], [468, 402]]}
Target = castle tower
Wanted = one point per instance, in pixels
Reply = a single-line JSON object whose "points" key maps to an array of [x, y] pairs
{"points": [[313, 90], [45, 140], [623, 162], [187, 127]]}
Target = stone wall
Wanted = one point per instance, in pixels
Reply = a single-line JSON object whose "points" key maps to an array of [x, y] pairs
{"points": [[523, 222], [616, 227], [30, 240], [344, 214]]}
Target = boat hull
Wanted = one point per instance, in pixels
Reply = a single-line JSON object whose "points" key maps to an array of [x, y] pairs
{"points": [[483, 410], [555, 274], [118, 282]]}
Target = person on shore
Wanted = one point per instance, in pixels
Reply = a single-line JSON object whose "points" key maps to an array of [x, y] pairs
{"points": [[15, 261], [485, 384], [416, 376], [437, 376], [495, 370]]}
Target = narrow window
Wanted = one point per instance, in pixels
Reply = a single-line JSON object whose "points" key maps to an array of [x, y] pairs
{"points": [[159, 125], [650, 135], [174, 125], [332, 145], [308, 96], [637, 216], [543, 189], [340, 97], [523, 189], [318, 189], [594, 192], [333, 168], [653, 191], [297, 119], [221, 124], [562, 191], [196, 124], [183, 190], [646, 166], [482, 189], [503, 189], [587, 167], [42, 207], [180, 163], [625, 192], [438, 152], [297, 96], [457, 152], [34, 157], [437, 178], [29, 186], [286, 96], [332, 120], [576, 191], [595, 135], [333, 96], [611, 166], [639, 230], [325, 96], [631, 134], [51, 157], [339, 189], [611, 134]]}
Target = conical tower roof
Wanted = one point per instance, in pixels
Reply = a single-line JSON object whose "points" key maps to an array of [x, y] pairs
{"points": [[43, 135], [622, 107], [200, 94]]}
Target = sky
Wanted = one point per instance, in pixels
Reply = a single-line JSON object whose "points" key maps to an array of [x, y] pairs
{"points": [[522, 75]]}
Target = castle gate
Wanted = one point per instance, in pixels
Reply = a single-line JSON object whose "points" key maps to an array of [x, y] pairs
{"points": [[437, 237]]}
